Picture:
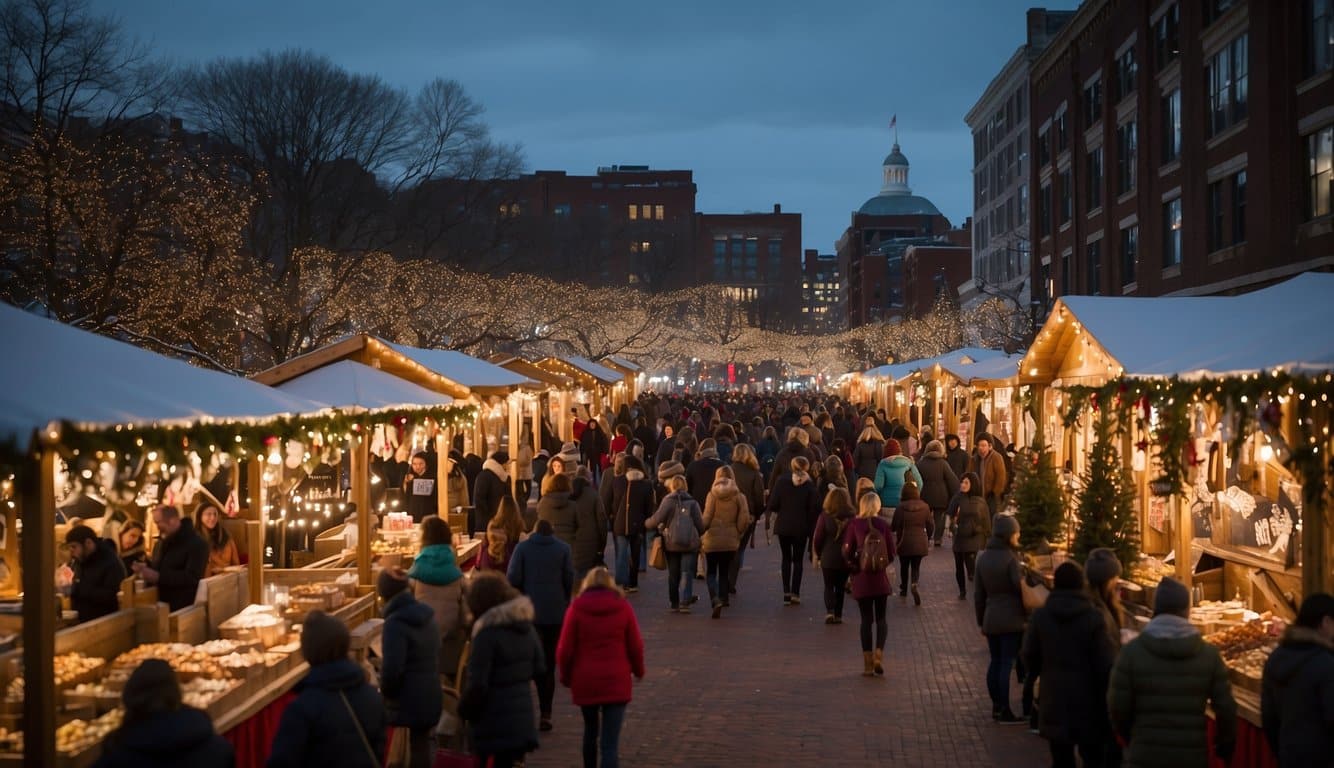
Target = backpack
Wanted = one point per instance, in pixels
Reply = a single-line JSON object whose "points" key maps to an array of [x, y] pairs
{"points": [[681, 531], [874, 556]]}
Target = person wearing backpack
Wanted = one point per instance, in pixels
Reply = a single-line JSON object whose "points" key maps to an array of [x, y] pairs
{"points": [[868, 550], [828, 549], [680, 524]]}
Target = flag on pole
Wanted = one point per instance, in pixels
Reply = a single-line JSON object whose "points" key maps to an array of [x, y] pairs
{"points": [[894, 121]]}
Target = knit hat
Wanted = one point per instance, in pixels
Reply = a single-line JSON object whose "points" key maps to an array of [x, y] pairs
{"points": [[391, 582], [1102, 566], [935, 447], [1069, 576], [501, 457], [323, 639], [892, 448], [569, 454], [1172, 597], [670, 468], [1005, 527]]}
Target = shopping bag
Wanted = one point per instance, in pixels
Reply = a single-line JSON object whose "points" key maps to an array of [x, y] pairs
{"points": [[1034, 595], [657, 556]]}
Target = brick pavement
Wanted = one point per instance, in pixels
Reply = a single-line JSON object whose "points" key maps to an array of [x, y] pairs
{"points": [[775, 685]]}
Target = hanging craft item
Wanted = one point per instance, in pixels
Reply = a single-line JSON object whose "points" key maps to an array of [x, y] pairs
{"points": [[1157, 513]]}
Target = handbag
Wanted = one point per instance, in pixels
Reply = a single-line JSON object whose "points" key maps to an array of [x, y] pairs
{"points": [[657, 556], [1034, 595]]}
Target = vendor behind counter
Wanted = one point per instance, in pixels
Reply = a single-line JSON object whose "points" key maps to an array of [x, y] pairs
{"points": [[98, 572]]}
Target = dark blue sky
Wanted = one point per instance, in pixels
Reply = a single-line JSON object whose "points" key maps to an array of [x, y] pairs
{"points": [[766, 102]]}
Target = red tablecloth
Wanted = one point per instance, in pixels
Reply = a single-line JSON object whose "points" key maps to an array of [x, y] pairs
{"points": [[253, 737], [1252, 748]]}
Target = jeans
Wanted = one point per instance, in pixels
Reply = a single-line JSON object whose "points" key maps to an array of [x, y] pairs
{"points": [[939, 515], [609, 729], [717, 565], [834, 580], [909, 563], [872, 609], [1004, 650], [964, 561], [735, 568], [546, 682], [627, 560], [794, 552], [681, 573]]}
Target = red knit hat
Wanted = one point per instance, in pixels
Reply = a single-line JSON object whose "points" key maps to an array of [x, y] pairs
{"points": [[892, 448]]}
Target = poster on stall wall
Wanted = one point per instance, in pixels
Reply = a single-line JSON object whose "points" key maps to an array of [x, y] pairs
{"points": [[1265, 526], [1157, 516]]}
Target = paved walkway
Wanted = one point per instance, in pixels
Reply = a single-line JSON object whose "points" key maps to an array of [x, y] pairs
{"points": [[774, 685]]}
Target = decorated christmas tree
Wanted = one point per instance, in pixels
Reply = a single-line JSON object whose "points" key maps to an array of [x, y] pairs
{"points": [[1107, 502], [1037, 496]]}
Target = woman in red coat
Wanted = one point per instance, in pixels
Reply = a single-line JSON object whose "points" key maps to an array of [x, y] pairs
{"points": [[599, 649]]}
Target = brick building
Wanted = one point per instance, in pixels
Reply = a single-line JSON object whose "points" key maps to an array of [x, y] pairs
{"points": [[758, 255], [822, 293], [930, 269], [1182, 148]]}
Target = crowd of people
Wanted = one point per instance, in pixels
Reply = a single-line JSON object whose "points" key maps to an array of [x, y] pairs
{"points": [[668, 479]]}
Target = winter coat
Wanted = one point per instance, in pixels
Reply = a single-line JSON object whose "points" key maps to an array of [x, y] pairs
{"points": [[726, 518], [867, 583], [409, 663], [590, 536], [555, 508], [666, 447], [972, 521], [958, 461], [994, 478], [180, 560], [683, 503], [97, 583], [997, 597], [523, 463], [183, 737], [1066, 646], [1159, 686], [751, 483], [649, 438], [438, 583], [1297, 699], [828, 543], [506, 657], [543, 569], [456, 483], [939, 483], [725, 451], [700, 474], [866, 457], [766, 452], [783, 461], [913, 526], [797, 504], [422, 505], [600, 648], [889, 479], [632, 501], [492, 486], [316, 728]]}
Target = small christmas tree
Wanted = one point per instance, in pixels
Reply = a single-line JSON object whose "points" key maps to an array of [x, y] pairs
{"points": [[1107, 503], [1037, 496]]}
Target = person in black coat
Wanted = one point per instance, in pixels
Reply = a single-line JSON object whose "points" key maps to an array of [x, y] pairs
{"points": [[633, 501], [543, 569], [180, 558], [1066, 646], [492, 484], [1297, 692], [955, 455], [701, 471], [409, 670], [420, 487], [158, 730], [506, 657], [337, 718], [646, 435], [98, 573], [796, 504], [797, 445]]}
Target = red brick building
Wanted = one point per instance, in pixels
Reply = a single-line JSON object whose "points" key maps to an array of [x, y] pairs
{"points": [[1182, 147], [759, 255], [930, 269]]}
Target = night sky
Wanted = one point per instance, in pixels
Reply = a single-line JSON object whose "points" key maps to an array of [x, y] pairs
{"points": [[766, 102]]}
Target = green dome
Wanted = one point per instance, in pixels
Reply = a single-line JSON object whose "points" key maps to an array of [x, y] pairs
{"points": [[896, 157], [899, 205]]}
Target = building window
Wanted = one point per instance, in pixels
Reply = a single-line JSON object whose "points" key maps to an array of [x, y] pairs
{"points": [[1172, 232], [1172, 126], [1044, 209], [1166, 37], [562, 210], [1239, 207], [1066, 195], [1093, 103], [1067, 278], [1214, 9], [1062, 132], [1320, 42], [1320, 162], [1094, 264], [1022, 205], [658, 212], [1044, 149], [1094, 176], [634, 212], [1126, 70], [1127, 152], [646, 212], [1216, 216], [1226, 75], [1129, 253]]}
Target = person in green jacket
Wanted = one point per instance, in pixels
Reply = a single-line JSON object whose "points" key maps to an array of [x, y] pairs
{"points": [[1160, 685]]}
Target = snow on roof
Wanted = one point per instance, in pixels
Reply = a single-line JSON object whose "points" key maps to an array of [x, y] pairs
{"points": [[1002, 367], [349, 384], [600, 372], [1285, 325], [464, 369], [54, 372], [958, 358], [627, 364]]}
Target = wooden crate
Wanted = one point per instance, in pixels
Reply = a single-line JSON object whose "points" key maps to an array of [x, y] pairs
{"points": [[189, 625]]}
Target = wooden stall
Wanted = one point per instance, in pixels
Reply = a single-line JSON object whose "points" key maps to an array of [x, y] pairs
{"points": [[633, 376], [598, 384]]}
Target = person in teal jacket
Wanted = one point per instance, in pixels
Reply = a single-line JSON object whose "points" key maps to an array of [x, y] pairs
{"points": [[890, 473]]}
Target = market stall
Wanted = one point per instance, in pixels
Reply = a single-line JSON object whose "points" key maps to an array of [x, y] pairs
{"points": [[633, 375], [598, 384], [949, 393]]}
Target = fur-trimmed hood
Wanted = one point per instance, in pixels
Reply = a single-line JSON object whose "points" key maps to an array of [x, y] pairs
{"points": [[724, 488], [497, 468], [633, 475], [516, 611]]}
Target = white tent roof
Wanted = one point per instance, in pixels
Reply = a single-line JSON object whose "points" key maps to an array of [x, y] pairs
{"points": [[1285, 325], [464, 369], [54, 372], [628, 364], [349, 384], [1002, 367], [601, 372], [958, 358]]}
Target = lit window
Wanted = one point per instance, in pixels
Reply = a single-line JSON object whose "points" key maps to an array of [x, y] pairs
{"points": [[634, 212], [1172, 232], [659, 212], [1172, 126], [647, 212], [1320, 163], [1226, 75]]}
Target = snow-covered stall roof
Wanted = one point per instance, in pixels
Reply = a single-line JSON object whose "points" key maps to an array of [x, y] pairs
{"points": [[349, 384], [991, 369], [958, 358], [600, 372], [629, 365], [53, 372], [466, 370]]}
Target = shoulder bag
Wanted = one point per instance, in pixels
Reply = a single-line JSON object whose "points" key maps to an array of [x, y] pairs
{"points": [[1034, 595], [365, 742]]}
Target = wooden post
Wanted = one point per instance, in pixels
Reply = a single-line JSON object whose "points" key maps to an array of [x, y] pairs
{"points": [[1181, 534], [256, 509], [1317, 534], [513, 406], [441, 473], [39, 609], [361, 497]]}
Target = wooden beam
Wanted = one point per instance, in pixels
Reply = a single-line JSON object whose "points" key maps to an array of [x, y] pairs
{"points": [[361, 497], [37, 479], [256, 502], [311, 360], [1181, 534], [1262, 581]]}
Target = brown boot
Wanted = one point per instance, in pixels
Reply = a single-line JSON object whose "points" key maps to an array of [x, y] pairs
{"points": [[868, 664], [879, 657]]}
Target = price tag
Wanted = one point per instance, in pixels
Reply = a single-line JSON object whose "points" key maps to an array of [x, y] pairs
{"points": [[422, 487]]}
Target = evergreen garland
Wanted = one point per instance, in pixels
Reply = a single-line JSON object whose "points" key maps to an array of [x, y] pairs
{"points": [[1107, 515], [1037, 496]]}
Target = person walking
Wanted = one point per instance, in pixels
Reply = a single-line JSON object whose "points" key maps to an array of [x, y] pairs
{"points": [[1066, 646], [1160, 685], [409, 665], [939, 484], [971, 521], [868, 551], [680, 523], [798, 445], [438, 583], [701, 472], [726, 518], [998, 601], [523, 466], [492, 486], [1103, 571], [766, 452], [1297, 690], [543, 569], [989, 466], [795, 505], [892, 473], [600, 649], [592, 525], [158, 730], [828, 551], [502, 536], [870, 449], [749, 478], [632, 500], [912, 526], [556, 508], [506, 656]]}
